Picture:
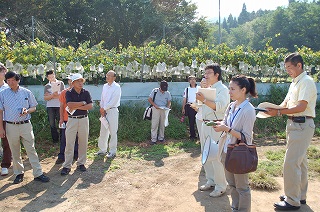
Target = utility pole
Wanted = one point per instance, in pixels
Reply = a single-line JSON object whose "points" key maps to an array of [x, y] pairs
{"points": [[32, 21], [219, 25]]}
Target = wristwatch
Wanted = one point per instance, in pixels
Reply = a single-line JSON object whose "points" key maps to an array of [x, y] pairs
{"points": [[84, 102]]}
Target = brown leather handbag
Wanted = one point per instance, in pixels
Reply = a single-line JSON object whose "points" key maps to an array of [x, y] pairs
{"points": [[241, 158]]}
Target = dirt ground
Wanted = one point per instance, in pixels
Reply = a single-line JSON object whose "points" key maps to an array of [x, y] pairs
{"points": [[168, 184]]}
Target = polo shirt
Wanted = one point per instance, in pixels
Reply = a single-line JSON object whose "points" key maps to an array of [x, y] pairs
{"points": [[48, 88], [191, 94], [161, 99], [62, 99], [73, 96], [12, 102], [302, 88]]}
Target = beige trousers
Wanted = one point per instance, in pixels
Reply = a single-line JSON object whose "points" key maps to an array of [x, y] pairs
{"points": [[157, 123], [14, 133], [74, 126], [295, 171]]}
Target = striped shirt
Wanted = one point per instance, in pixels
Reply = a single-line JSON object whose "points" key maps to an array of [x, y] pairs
{"points": [[12, 102]]}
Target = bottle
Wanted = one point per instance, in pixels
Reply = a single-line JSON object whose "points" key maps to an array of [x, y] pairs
{"points": [[182, 119]]}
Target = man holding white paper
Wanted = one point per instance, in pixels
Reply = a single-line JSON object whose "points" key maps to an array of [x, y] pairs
{"points": [[160, 105], [52, 92], [213, 109], [110, 101]]}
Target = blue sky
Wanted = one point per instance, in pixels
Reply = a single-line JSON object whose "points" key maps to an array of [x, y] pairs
{"points": [[210, 8]]}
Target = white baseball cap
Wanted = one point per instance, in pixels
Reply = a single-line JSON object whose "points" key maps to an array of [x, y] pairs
{"points": [[77, 76]]}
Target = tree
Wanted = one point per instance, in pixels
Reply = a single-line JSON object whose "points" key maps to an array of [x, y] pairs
{"points": [[244, 15]]}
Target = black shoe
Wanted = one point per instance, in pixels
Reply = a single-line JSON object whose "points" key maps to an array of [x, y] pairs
{"points": [[65, 171], [42, 178], [59, 161], [152, 143], [161, 141], [19, 179], [82, 168], [283, 197], [284, 206]]}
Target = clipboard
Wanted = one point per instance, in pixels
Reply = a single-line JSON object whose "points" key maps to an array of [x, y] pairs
{"points": [[208, 93]]}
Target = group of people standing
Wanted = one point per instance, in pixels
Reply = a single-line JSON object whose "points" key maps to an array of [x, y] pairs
{"points": [[70, 106], [238, 117], [67, 106]]}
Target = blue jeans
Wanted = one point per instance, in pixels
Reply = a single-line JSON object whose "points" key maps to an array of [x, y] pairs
{"points": [[53, 117], [63, 145]]}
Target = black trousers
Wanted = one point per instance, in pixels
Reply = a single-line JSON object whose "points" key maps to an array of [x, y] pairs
{"points": [[191, 113]]}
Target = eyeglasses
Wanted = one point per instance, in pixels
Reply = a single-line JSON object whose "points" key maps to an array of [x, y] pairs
{"points": [[207, 73]]}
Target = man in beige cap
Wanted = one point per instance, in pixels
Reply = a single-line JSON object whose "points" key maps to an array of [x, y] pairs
{"points": [[79, 101]]}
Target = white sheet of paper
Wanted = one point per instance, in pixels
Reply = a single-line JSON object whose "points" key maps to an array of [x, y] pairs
{"points": [[104, 121], [208, 93], [70, 111], [55, 86], [166, 121], [265, 105]]}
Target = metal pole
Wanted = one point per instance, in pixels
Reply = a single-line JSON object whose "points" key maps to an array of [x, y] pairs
{"points": [[219, 25], [32, 21]]}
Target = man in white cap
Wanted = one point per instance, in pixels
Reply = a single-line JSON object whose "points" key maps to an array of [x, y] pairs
{"points": [[79, 101], [62, 124], [110, 101]]}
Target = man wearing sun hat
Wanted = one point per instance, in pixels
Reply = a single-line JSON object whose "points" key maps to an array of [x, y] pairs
{"points": [[62, 123], [79, 101]]}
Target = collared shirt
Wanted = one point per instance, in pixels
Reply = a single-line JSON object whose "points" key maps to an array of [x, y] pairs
{"points": [[73, 96], [302, 88], [191, 94], [12, 102], [4, 86], [62, 99], [110, 96], [48, 89], [222, 101], [161, 99]]}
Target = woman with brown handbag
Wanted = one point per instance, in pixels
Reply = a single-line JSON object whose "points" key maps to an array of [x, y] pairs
{"points": [[239, 118]]}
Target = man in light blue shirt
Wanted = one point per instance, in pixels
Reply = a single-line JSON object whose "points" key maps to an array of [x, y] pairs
{"points": [[16, 105]]}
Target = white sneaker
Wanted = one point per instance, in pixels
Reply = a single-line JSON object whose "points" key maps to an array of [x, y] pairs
{"points": [[100, 153], [111, 155], [216, 193], [206, 187], [4, 172]]}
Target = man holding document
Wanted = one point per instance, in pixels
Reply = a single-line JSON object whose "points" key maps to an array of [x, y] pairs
{"points": [[52, 92], [160, 110], [110, 101], [215, 100], [299, 105], [79, 101]]}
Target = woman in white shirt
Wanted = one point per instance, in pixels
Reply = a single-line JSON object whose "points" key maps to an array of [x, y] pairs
{"points": [[189, 96]]}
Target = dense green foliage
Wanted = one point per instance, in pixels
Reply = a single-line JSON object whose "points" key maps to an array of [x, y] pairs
{"points": [[115, 22], [121, 23]]}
